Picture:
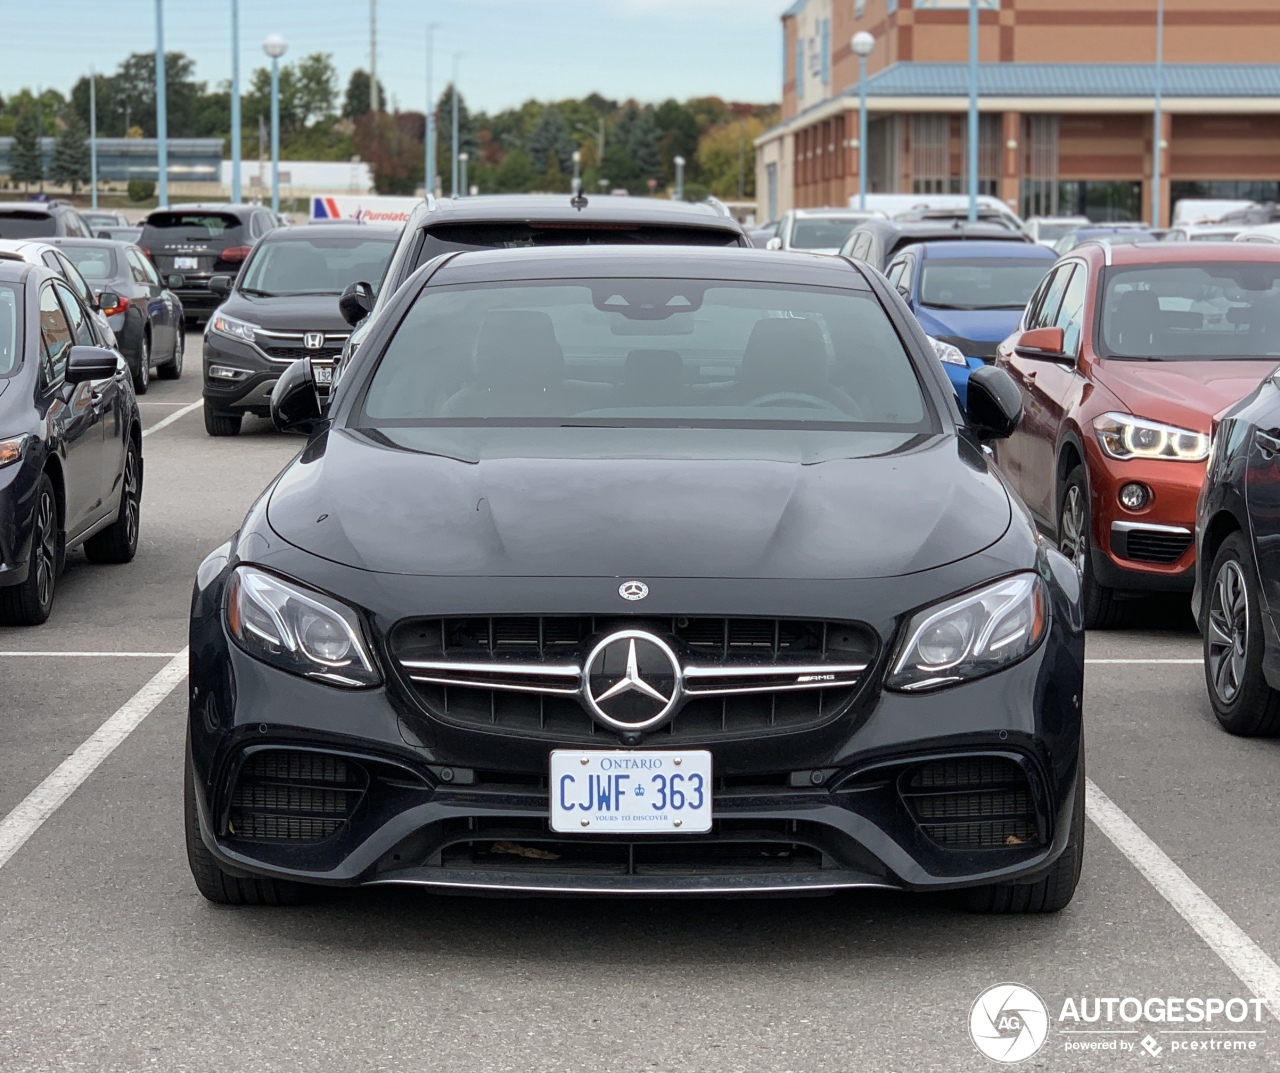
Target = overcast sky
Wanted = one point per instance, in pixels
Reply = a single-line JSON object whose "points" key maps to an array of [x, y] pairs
{"points": [[511, 49]]}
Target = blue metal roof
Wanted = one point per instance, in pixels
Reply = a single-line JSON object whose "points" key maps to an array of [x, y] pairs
{"points": [[1075, 80]]}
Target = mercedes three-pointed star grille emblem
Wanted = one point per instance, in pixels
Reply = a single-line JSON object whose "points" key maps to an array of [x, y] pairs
{"points": [[631, 680]]}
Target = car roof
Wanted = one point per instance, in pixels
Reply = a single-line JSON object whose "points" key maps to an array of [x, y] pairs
{"points": [[557, 208], [947, 228], [26, 247], [27, 206], [334, 230], [72, 240], [861, 214], [235, 209], [678, 262], [1164, 253], [13, 271], [972, 248]]}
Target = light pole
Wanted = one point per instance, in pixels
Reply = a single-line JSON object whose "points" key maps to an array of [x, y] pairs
{"points": [[162, 118], [453, 145], [862, 44], [973, 109], [462, 166], [93, 138], [235, 101], [679, 163], [577, 172], [1158, 118], [429, 128], [275, 46]]}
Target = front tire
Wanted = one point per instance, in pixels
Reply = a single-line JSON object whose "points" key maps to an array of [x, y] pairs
{"points": [[217, 424], [142, 378], [218, 886], [30, 603], [1102, 610], [118, 543], [172, 369], [1234, 645]]}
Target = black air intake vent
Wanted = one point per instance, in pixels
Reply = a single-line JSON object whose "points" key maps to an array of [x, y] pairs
{"points": [[1147, 546], [287, 795], [974, 803]]}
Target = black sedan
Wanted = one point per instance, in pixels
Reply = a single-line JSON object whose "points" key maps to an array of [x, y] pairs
{"points": [[1237, 588], [146, 315], [70, 442], [283, 306], [639, 571]]}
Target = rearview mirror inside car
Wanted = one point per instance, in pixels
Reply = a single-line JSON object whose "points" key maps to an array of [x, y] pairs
{"points": [[173, 281], [995, 403], [295, 406], [356, 302], [220, 285], [1041, 343], [85, 363]]}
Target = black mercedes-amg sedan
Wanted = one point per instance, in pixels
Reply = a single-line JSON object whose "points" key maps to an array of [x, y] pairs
{"points": [[70, 441], [1237, 586], [639, 571]]}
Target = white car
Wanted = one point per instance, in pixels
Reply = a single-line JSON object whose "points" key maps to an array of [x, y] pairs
{"points": [[1202, 233], [34, 252], [1261, 233], [1046, 230], [817, 230]]}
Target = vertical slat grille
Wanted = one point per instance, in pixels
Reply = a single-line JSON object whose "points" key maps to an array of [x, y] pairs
{"points": [[288, 795], [972, 803]]}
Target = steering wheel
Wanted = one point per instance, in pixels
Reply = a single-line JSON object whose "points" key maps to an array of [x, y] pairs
{"points": [[797, 398]]}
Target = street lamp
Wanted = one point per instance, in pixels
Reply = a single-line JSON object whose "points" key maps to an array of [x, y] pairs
{"points": [[453, 144], [577, 171], [429, 130], [275, 47], [462, 162], [679, 163], [973, 109], [862, 44], [1158, 117], [162, 118], [93, 136], [235, 101]]}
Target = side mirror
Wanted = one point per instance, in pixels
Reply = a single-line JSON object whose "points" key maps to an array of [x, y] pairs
{"points": [[774, 243], [107, 300], [85, 363], [995, 403], [295, 406], [174, 281], [1043, 343], [220, 285], [356, 303]]}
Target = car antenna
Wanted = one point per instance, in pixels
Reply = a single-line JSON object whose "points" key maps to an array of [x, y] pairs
{"points": [[579, 201]]}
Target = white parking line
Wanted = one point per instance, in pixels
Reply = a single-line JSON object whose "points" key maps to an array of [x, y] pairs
{"points": [[1152, 662], [167, 421], [61, 783], [92, 655], [1224, 936]]}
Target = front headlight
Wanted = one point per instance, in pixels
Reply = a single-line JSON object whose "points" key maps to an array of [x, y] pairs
{"points": [[232, 328], [947, 352], [11, 450], [297, 629], [1124, 436], [971, 635]]}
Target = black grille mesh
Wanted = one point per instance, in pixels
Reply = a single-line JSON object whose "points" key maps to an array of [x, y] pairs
{"points": [[287, 795], [1149, 547], [972, 803]]}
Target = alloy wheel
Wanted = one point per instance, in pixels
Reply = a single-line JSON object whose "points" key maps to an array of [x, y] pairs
{"points": [[1074, 541], [144, 363], [1228, 641], [45, 547], [131, 496]]}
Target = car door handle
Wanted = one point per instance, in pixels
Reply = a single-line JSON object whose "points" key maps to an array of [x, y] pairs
{"points": [[1268, 442]]}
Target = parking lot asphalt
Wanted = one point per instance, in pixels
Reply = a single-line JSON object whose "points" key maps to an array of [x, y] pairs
{"points": [[110, 959]]}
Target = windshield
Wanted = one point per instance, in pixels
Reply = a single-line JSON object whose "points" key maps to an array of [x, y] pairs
{"points": [[27, 224], [1052, 232], [10, 328], [316, 264], [100, 219], [94, 262], [459, 237], [981, 284], [646, 352], [1193, 311], [195, 226], [822, 233]]}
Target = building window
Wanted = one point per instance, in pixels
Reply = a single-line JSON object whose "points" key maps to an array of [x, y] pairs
{"points": [[1039, 194], [930, 154], [771, 192], [859, 8], [1251, 189], [1103, 201]]}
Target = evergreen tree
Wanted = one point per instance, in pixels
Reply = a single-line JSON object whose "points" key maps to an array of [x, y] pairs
{"points": [[26, 164], [515, 175], [70, 164], [550, 137], [644, 143], [357, 101]]}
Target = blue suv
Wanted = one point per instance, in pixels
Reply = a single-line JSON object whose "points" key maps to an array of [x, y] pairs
{"points": [[968, 296]]}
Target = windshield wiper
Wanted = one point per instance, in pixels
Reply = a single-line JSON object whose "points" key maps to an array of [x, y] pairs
{"points": [[257, 293], [301, 294]]}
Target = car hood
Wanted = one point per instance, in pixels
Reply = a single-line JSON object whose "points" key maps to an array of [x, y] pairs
{"points": [[639, 502], [1183, 393], [980, 325], [314, 312]]}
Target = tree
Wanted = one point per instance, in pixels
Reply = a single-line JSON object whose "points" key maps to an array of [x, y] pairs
{"points": [[26, 164], [515, 175], [550, 139], [645, 146], [356, 101], [680, 135], [387, 142], [70, 165], [133, 87], [317, 88], [721, 151]]}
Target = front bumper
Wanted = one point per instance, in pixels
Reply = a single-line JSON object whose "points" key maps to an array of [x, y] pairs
{"points": [[814, 810], [251, 392], [19, 482]]}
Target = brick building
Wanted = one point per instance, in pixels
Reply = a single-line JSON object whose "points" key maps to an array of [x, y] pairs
{"points": [[1066, 97]]}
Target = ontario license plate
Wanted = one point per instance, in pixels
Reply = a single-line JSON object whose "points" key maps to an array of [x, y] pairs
{"points": [[185, 264], [599, 792]]}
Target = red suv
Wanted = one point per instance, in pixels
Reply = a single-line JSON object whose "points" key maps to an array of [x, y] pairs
{"points": [[1124, 355]]}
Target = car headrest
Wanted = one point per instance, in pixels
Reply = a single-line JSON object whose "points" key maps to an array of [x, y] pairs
{"points": [[518, 348], [1136, 318], [785, 354], [653, 368]]}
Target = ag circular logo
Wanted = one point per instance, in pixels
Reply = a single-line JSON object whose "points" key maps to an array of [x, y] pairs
{"points": [[1009, 1023], [631, 680]]}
